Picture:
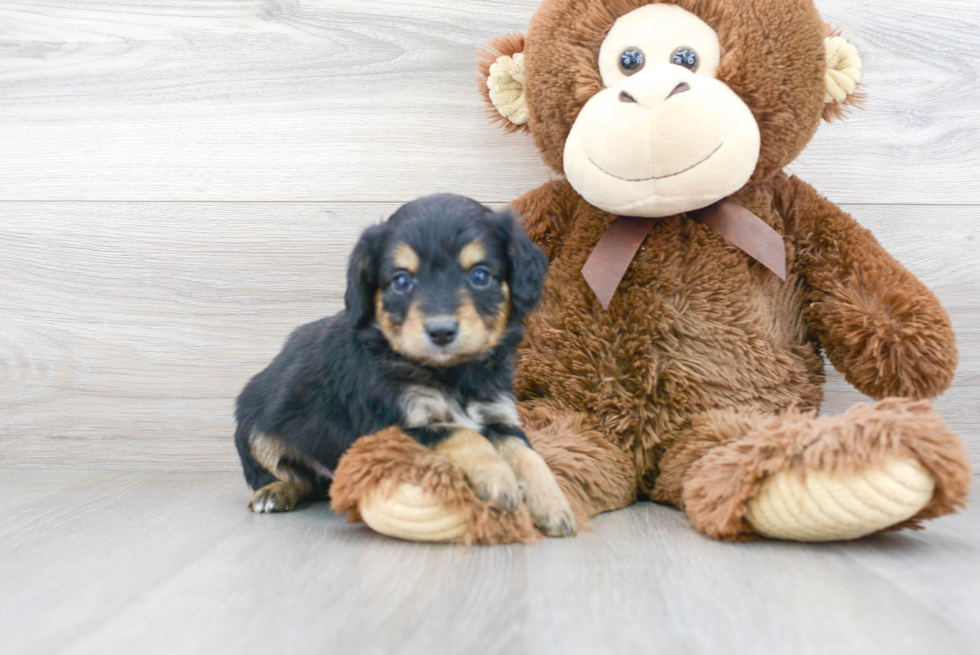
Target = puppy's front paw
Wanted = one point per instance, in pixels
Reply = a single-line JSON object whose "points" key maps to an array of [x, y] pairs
{"points": [[494, 482], [551, 513], [492, 479], [275, 497], [550, 510]]}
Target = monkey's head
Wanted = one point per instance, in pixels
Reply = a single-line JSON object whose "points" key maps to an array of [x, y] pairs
{"points": [[653, 108]]}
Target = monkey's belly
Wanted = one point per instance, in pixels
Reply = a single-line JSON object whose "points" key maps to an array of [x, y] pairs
{"points": [[682, 336], [607, 371]]}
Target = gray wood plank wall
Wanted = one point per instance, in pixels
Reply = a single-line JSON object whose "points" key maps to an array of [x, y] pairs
{"points": [[181, 181]]}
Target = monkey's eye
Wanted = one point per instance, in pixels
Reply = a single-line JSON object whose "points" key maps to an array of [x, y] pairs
{"points": [[685, 57], [632, 60], [403, 282], [480, 277]]}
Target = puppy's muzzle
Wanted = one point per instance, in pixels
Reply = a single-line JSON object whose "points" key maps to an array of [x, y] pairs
{"points": [[442, 331]]}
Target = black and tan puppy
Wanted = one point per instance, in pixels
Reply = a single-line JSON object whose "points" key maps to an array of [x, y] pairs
{"points": [[434, 307]]}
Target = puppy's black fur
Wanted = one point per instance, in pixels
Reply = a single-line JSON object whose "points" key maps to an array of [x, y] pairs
{"points": [[434, 307]]}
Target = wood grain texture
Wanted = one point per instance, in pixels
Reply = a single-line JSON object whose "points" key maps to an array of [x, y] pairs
{"points": [[129, 328], [108, 539], [157, 562], [132, 312], [345, 100]]}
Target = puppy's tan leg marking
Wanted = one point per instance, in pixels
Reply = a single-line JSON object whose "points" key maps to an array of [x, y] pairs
{"points": [[278, 496], [491, 477], [549, 508], [290, 488]]}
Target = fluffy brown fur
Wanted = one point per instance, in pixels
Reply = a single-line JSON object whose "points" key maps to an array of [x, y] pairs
{"points": [[390, 457], [773, 41], [878, 324], [725, 458], [703, 353], [595, 476], [702, 344], [704, 374]]}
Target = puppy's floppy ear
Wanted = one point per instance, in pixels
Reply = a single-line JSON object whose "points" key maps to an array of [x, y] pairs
{"points": [[528, 265], [362, 275]]}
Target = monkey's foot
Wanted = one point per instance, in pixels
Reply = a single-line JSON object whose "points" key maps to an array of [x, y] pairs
{"points": [[822, 506], [796, 476], [412, 514], [402, 489]]}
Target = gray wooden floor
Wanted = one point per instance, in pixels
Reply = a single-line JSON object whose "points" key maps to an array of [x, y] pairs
{"points": [[180, 184], [172, 562]]}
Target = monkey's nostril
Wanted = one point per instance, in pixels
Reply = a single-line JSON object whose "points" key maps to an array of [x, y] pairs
{"points": [[626, 97], [680, 88]]}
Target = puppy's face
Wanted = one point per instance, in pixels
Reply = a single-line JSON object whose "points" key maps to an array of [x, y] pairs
{"points": [[441, 280], [442, 297]]}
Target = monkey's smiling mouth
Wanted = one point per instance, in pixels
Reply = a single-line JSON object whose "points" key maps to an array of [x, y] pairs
{"points": [[658, 177]]}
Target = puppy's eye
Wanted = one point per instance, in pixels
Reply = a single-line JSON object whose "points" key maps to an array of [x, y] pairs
{"points": [[403, 282], [632, 60], [480, 278], [685, 57]]}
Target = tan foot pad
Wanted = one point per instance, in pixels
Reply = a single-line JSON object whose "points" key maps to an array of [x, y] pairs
{"points": [[411, 514], [827, 507]]}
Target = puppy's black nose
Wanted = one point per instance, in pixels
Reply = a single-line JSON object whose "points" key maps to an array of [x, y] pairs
{"points": [[442, 331]]}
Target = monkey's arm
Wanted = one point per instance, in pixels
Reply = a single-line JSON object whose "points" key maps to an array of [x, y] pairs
{"points": [[879, 325], [545, 212]]}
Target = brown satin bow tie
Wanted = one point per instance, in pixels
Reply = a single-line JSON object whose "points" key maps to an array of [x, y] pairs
{"points": [[614, 253]]}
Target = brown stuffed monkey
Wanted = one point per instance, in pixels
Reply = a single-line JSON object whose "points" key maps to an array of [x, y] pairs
{"points": [[693, 289]]}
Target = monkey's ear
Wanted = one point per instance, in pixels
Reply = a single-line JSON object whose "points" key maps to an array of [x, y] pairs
{"points": [[842, 76], [362, 276], [501, 79]]}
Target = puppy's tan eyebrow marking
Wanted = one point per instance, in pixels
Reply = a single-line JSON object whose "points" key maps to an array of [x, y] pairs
{"points": [[404, 257], [472, 254]]}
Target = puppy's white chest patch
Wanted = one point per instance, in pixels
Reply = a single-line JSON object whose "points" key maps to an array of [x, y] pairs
{"points": [[424, 406]]}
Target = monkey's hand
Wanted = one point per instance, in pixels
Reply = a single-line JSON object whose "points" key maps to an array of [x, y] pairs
{"points": [[879, 325]]}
